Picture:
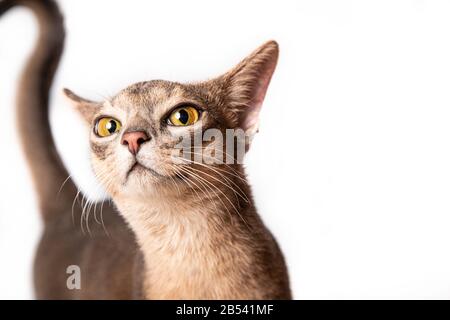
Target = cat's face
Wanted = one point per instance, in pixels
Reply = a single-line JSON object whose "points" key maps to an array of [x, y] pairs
{"points": [[136, 135], [140, 138]]}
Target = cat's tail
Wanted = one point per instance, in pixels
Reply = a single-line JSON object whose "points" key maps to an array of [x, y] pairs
{"points": [[55, 190]]}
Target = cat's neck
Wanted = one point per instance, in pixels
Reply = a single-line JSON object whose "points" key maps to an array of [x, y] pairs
{"points": [[183, 239]]}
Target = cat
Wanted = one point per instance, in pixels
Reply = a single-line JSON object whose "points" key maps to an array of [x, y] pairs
{"points": [[180, 227]]}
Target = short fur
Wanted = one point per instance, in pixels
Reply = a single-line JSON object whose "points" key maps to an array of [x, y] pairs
{"points": [[195, 232]]}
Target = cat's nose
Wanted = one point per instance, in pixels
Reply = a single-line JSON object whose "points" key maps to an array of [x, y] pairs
{"points": [[134, 140]]}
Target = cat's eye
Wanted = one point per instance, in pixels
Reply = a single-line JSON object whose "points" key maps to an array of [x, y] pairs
{"points": [[183, 116], [107, 126]]}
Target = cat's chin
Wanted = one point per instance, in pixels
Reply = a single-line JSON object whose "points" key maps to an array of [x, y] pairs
{"points": [[142, 181], [139, 170]]}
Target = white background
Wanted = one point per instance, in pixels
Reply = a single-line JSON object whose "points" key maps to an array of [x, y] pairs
{"points": [[358, 114]]}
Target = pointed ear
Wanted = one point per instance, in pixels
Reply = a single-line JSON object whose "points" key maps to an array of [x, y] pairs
{"points": [[86, 108], [246, 85]]}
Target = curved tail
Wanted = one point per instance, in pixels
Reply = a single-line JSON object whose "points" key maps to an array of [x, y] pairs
{"points": [[47, 169]]}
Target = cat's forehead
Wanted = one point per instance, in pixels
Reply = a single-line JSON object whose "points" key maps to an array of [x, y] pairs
{"points": [[151, 95]]}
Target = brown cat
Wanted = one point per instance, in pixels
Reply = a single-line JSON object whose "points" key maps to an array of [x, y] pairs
{"points": [[188, 227]]}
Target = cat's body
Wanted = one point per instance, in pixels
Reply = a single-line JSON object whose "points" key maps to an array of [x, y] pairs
{"points": [[111, 266], [185, 231], [193, 253]]}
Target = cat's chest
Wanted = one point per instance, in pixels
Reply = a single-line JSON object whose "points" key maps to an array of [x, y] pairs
{"points": [[180, 272], [186, 264], [186, 255]]}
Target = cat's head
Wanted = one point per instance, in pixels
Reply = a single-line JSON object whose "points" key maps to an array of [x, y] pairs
{"points": [[139, 137]]}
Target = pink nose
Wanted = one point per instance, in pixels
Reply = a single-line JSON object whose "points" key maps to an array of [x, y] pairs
{"points": [[133, 140]]}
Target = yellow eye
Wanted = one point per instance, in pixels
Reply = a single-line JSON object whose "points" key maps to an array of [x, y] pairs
{"points": [[183, 116], [107, 126]]}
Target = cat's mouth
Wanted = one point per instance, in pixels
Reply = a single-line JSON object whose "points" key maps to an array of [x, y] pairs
{"points": [[139, 168]]}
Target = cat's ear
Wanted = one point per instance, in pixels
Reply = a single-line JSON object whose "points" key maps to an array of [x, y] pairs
{"points": [[86, 108], [246, 86]]}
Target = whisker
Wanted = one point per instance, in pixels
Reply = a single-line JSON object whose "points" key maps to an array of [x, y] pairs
{"points": [[206, 190], [73, 205], [215, 187], [63, 184], [231, 203], [241, 193]]}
